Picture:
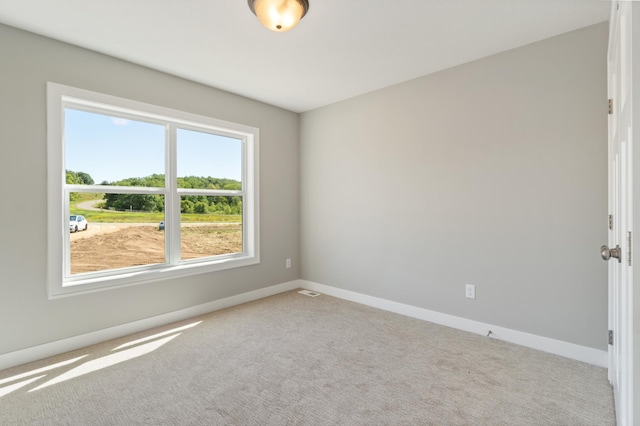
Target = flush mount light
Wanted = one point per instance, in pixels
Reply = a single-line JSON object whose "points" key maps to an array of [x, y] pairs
{"points": [[279, 15]]}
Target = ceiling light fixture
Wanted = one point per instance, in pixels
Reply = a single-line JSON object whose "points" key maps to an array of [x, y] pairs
{"points": [[279, 15]]}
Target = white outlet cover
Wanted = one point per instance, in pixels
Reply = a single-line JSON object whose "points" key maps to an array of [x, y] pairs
{"points": [[470, 291]]}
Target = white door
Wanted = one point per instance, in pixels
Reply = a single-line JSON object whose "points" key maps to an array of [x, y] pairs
{"points": [[620, 241]]}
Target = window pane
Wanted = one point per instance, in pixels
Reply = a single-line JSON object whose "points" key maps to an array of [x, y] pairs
{"points": [[210, 226], [208, 161], [112, 150], [112, 239]]}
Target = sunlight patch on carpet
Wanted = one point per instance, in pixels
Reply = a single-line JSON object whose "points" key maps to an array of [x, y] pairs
{"points": [[40, 370], [8, 389], [155, 336], [108, 361]]}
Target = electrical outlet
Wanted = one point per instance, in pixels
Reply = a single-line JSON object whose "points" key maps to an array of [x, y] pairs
{"points": [[287, 263], [470, 291]]}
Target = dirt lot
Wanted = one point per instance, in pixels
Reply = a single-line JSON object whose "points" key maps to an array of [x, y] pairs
{"points": [[119, 245]]}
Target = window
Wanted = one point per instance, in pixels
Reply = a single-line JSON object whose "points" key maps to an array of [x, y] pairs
{"points": [[139, 193]]}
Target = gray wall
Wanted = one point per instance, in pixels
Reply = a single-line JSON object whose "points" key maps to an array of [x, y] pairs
{"points": [[27, 317], [492, 173]]}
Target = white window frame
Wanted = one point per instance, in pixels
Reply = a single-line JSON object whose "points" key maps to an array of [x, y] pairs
{"points": [[60, 282]]}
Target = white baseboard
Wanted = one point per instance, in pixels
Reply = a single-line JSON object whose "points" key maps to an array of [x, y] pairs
{"points": [[76, 342], [545, 344], [558, 347]]}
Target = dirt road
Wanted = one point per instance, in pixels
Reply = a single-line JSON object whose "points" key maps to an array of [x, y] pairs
{"points": [[119, 245], [96, 228], [89, 205]]}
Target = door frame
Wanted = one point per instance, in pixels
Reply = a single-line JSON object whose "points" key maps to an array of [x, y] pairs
{"points": [[623, 66]]}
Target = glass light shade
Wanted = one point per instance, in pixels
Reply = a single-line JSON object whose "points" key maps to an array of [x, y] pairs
{"points": [[279, 15]]}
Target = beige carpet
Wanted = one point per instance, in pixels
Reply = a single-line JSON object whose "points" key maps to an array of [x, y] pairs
{"points": [[297, 360]]}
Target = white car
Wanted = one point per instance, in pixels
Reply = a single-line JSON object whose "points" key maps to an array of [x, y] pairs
{"points": [[77, 223]]}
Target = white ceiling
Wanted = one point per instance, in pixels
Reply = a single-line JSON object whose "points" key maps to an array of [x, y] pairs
{"points": [[341, 49]]}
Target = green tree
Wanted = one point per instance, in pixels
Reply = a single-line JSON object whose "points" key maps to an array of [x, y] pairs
{"points": [[138, 202], [85, 178], [200, 207], [78, 178], [186, 206]]}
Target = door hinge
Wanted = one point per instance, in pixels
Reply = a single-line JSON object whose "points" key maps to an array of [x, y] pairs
{"points": [[629, 248], [611, 337], [610, 221], [610, 106]]}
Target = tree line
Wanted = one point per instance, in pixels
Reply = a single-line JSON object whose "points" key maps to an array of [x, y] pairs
{"points": [[155, 203]]}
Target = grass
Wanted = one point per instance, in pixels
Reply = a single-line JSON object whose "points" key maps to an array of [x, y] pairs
{"points": [[109, 216]]}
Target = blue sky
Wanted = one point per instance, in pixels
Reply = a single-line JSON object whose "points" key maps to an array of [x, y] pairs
{"points": [[111, 149]]}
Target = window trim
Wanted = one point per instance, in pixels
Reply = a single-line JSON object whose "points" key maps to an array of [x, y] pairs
{"points": [[58, 283]]}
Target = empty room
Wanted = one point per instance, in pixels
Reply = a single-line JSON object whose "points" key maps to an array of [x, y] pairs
{"points": [[318, 212]]}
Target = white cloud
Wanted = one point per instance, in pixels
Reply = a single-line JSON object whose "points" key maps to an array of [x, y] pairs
{"points": [[120, 121]]}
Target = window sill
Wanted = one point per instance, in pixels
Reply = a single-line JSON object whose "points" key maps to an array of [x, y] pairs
{"points": [[92, 284]]}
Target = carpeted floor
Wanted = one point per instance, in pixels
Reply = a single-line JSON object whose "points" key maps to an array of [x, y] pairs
{"points": [[292, 359]]}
